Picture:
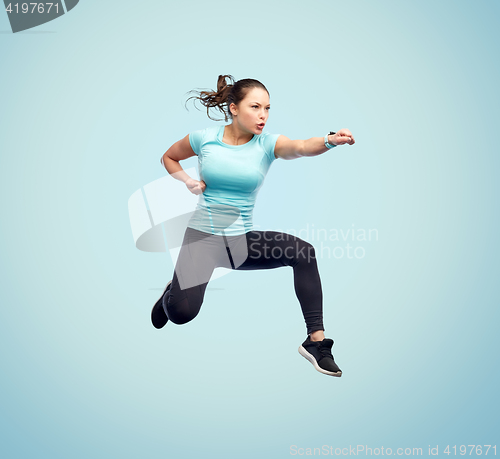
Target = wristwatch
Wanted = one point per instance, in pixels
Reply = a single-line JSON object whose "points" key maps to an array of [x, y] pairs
{"points": [[329, 145]]}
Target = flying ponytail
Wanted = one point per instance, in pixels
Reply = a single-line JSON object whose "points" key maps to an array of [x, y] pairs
{"points": [[225, 95]]}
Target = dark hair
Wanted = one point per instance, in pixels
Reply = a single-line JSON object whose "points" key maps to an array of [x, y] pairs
{"points": [[225, 95]]}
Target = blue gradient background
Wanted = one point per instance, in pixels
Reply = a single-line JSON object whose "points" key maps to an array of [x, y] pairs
{"points": [[91, 101]]}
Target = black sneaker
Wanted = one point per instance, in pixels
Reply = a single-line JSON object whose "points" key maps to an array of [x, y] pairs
{"points": [[158, 316], [319, 353]]}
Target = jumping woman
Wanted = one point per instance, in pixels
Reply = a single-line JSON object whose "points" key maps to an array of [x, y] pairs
{"points": [[233, 161]]}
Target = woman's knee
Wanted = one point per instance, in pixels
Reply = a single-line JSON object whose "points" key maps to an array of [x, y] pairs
{"points": [[304, 251], [182, 311]]}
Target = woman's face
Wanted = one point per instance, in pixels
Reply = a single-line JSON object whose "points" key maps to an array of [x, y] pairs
{"points": [[252, 112]]}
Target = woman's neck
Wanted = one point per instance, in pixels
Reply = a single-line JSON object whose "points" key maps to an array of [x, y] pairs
{"points": [[234, 136]]}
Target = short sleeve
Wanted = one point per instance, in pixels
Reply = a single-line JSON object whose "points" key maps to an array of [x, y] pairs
{"points": [[268, 143], [196, 140]]}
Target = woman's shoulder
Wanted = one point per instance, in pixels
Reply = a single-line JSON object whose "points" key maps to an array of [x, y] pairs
{"points": [[265, 135], [268, 142], [203, 136], [267, 138]]}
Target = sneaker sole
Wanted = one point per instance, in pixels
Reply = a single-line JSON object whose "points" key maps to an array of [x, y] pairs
{"points": [[310, 357]]}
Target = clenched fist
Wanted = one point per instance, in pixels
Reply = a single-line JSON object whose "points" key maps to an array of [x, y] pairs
{"points": [[196, 186], [342, 137]]}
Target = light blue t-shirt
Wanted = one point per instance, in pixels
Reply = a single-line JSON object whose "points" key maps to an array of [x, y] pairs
{"points": [[234, 175]]}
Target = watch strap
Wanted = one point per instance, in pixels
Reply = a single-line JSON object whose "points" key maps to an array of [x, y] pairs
{"points": [[329, 145]]}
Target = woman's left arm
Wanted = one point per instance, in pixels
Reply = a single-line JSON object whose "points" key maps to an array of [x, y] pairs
{"points": [[292, 149]]}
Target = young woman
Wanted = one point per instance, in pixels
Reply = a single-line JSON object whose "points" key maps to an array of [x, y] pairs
{"points": [[233, 162]]}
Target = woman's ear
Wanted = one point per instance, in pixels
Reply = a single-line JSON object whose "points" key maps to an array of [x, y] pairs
{"points": [[233, 109]]}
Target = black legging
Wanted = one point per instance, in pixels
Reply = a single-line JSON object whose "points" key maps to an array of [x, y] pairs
{"points": [[201, 253]]}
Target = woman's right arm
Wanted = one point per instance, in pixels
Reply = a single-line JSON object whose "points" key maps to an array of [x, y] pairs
{"points": [[178, 151]]}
